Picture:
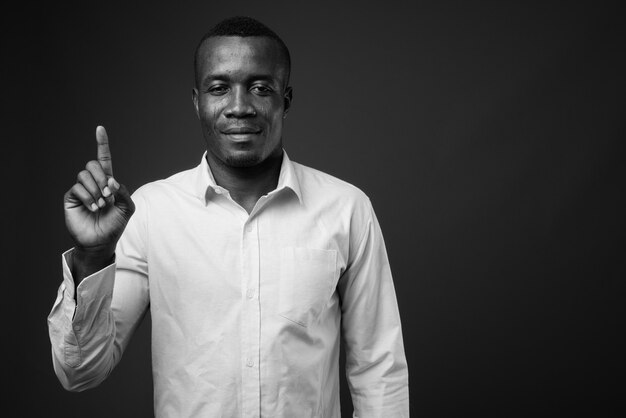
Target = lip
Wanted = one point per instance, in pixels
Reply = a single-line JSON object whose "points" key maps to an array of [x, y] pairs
{"points": [[241, 130]]}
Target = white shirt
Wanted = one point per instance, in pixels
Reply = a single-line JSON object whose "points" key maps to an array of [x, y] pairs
{"points": [[246, 308]]}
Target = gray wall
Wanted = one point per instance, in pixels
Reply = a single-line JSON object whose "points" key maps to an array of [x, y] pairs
{"points": [[485, 133]]}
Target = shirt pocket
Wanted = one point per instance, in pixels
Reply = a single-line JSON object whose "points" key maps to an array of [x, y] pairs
{"points": [[307, 281]]}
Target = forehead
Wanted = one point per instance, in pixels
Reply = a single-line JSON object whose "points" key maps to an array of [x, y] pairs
{"points": [[234, 55]]}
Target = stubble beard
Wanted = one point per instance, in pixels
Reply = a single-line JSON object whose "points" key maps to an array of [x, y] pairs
{"points": [[242, 161]]}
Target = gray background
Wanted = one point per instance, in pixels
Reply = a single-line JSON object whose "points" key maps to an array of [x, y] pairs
{"points": [[485, 133]]}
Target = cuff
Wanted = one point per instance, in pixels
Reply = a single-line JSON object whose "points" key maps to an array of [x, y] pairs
{"points": [[95, 287]]}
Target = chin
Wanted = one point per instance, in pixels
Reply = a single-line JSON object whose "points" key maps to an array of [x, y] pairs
{"points": [[243, 160]]}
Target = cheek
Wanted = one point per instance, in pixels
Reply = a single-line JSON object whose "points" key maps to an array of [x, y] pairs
{"points": [[277, 116], [272, 112], [210, 113]]}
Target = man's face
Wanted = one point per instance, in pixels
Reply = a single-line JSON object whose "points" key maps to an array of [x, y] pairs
{"points": [[241, 98]]}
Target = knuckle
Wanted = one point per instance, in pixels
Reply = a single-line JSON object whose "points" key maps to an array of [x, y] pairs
{"points": [[92, 166], [79, 190], [76, 191], [82, 176]]}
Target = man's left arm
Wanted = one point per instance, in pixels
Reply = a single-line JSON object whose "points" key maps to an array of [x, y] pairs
{"points": [[375, 361]]}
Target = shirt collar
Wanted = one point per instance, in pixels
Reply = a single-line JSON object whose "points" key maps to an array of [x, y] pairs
{"points": [[205, 185]]}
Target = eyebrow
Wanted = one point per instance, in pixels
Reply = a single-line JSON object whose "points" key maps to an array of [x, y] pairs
{"points": [[226, 77]]}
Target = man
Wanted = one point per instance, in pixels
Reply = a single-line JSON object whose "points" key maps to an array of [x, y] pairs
{"points": [[250, 263]]}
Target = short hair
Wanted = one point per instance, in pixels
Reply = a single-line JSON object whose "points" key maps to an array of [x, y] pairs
{"points": [[242, 26]]}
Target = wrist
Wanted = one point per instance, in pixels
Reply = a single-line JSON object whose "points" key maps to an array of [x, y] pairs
{"points": [[95, 255], [85, 262]]}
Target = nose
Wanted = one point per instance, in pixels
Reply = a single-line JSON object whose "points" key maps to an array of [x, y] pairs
{"points": [[239, 105]]}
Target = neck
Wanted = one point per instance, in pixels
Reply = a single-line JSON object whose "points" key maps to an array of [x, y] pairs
{"points": [[247, 184]]}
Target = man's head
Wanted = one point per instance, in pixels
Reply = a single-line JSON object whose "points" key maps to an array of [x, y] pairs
{"points": [[242, 91], [243, 27]]}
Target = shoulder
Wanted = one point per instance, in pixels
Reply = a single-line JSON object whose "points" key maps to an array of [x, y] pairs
{"points": [[176, 184], [318, 184], [333, 197]]}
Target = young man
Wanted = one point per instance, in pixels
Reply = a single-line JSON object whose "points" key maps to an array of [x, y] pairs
{"points": [[250, 263]]}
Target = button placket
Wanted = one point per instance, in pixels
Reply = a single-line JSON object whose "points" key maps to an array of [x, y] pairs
{"points": [[251, 320]]}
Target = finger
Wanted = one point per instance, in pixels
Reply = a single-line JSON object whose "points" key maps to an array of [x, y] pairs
{"points": [[79, 192], [124, 201], [104, 153], [113, 184], [97, 172], [86, 179]]}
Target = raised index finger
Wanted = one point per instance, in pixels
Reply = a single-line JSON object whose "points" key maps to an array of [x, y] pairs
{"points": [[104, 153]]}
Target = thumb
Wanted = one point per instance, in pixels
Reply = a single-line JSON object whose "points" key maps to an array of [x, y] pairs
{"points": [[123, 201]]}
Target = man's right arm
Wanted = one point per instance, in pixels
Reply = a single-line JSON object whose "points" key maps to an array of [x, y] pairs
{"points": [[97, 209], [92, 320]]}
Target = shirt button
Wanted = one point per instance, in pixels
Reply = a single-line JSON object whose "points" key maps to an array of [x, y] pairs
{"points": [[250, 293], [218, 191], [249, 228], [249, 362]]}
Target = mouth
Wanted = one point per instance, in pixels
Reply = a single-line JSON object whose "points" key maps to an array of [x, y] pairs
{"points": [[241, 130], [241, 134]]}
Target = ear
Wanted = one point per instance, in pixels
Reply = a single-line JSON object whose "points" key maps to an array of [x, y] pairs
{"points": [[194, 98], [287, 98]]}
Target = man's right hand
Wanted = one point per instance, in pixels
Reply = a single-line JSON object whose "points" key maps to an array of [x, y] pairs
{"points": [[97, 209]]}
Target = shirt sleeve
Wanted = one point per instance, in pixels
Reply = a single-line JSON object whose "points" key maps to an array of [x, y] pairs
{"points": [[376, 365], [90, 325]]}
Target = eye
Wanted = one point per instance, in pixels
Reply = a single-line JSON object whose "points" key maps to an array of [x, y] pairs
{"points": [[261, 89], [217, 89]]}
